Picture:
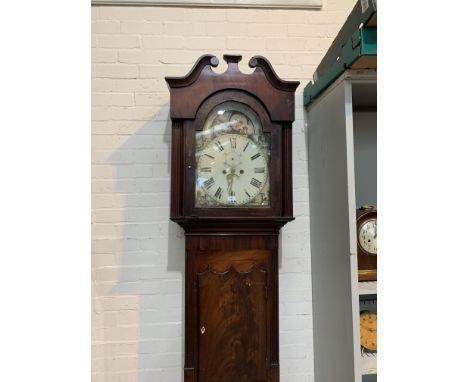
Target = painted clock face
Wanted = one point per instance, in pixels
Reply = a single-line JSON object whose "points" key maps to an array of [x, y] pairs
{"points": [[368, 325], [232, 159], [368, 236]]}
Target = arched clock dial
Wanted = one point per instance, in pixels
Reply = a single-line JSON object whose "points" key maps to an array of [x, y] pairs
{"points": [[232, 159], [232, 169]]}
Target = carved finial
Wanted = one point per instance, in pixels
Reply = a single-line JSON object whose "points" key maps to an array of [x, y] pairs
{"points": [[232, 58], [232, 61]]}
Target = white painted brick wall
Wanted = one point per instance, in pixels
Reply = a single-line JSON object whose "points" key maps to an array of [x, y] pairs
{"points": [[137, 253]]}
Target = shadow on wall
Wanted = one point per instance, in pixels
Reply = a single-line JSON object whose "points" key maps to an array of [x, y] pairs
{"points": [[152, 260]]}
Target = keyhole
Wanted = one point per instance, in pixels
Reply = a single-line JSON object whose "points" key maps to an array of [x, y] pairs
{"points": [[202, 330]]}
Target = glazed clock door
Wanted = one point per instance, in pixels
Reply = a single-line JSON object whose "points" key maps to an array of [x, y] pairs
{"points": [[233, 158], [232, 320]]}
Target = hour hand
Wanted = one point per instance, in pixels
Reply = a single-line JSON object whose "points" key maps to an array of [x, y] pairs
{"points": [[229, 178]]}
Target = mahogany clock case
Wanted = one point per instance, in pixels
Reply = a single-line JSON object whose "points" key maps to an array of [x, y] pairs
{"points": [[231, 271]]}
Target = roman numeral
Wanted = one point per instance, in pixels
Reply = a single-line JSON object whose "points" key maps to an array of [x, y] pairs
{"points": [[247, 194], [218, 192], [219, 146], [259, 170], [233, 143], [255, 182], [255, 156], [209, 156], [245, 148], [208, 183], [205, 169]]}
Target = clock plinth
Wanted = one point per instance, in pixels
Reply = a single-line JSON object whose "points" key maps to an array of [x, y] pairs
{"points": [[231, 191]]}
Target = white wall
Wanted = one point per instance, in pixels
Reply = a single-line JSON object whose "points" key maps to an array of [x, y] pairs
{"points": [[137, 253]]}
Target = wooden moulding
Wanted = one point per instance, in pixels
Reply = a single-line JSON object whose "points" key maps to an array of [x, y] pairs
{"points": [[188, 92]]}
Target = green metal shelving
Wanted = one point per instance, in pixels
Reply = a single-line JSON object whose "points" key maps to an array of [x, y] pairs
{"points": [[354, 47]]}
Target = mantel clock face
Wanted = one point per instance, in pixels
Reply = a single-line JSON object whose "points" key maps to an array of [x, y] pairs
{"points": [[232, 159], [368, 236], [366, 227]]}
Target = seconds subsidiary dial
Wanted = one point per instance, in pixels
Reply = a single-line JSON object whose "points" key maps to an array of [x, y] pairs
{"points": [[232, 170]]}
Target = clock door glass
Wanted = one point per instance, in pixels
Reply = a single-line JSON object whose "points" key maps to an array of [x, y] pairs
{"points": [[232, 156], [368, 236]]}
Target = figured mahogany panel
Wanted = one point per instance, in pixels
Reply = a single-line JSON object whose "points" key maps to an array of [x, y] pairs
{"points": [[232, 325], [241, 271]]}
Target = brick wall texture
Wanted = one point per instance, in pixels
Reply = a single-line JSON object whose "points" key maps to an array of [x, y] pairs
{"points": [[137, 253]]}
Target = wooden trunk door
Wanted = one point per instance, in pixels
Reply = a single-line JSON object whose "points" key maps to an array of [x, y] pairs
{"points": [[232, 320]]}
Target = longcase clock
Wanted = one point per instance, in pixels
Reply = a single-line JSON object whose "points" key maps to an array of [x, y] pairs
{"points": [[231, 191]]}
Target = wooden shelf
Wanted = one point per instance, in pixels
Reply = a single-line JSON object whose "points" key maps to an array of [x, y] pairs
{"points": [[367, 287]]}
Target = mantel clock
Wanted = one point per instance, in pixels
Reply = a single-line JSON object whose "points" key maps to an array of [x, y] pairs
{"points": [[366, 228], [231, 191]]}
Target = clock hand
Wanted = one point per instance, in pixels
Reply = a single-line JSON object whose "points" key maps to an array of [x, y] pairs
{"points": [[229, 187], [230, 178]]}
